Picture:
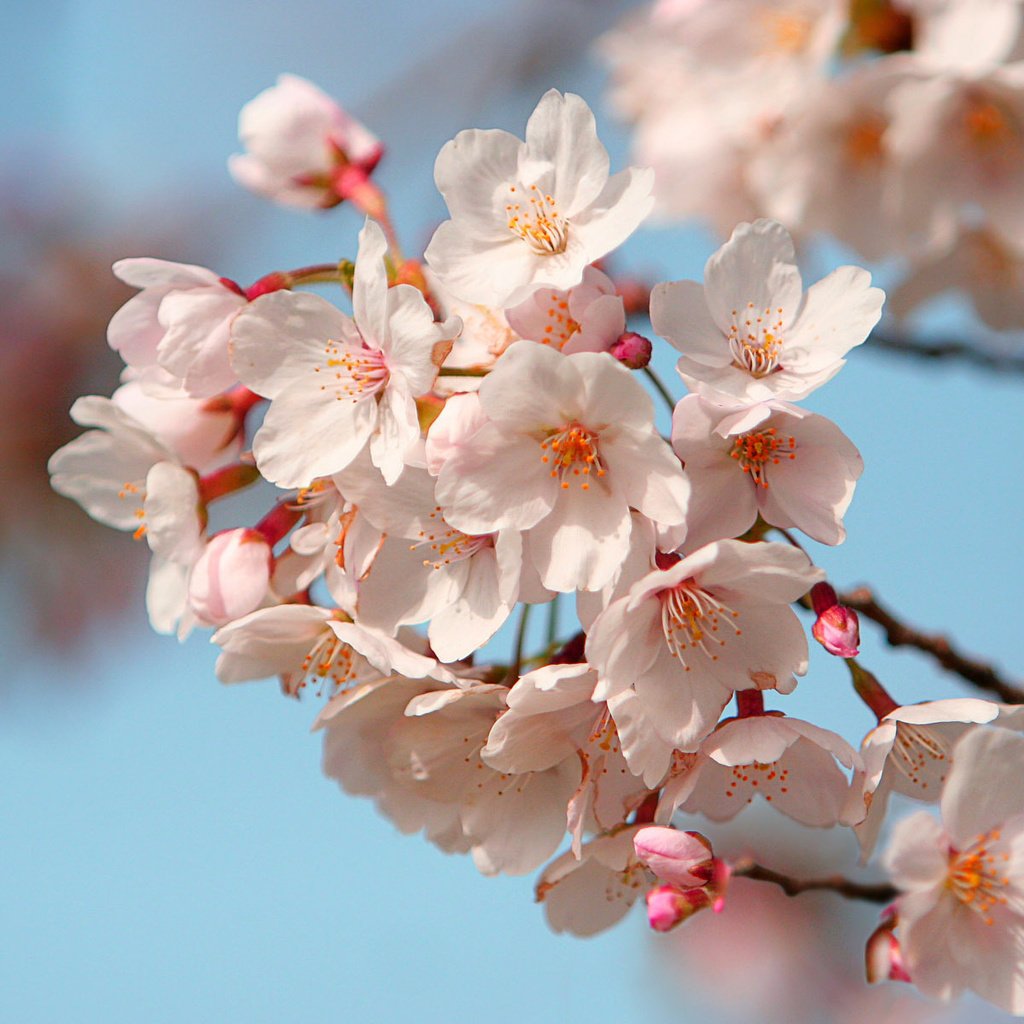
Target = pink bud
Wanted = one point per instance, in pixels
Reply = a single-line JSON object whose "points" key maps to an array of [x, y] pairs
{"points": [[668, 905], [231, 577], [680, 858], [883, 959], [837, 628], [632, 350]]}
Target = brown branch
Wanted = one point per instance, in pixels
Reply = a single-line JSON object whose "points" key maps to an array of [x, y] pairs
{"points": [[877, 892], [937, 351], [899, 634]]}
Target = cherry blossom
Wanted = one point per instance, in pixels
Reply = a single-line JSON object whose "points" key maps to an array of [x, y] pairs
{"points": [[791, 467], [531, 213], [684, 638], [960, 921], [302, 148], [582, 449], [751, 333], [336, 383]]}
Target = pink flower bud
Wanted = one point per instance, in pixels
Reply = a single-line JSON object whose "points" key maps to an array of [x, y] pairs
{"points": [[668, 905], [837, 628], [680, 858], [231, 577], [883, 960], [632, 350]]}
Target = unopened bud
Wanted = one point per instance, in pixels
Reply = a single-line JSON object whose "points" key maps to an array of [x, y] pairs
{"points": [[837, 628], [668, 905], [632, 350], [682, 859], [231, 577], [883, 959]]}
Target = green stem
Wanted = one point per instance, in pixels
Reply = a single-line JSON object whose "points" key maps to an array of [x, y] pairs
{"points": [[517, 656], [659, 386]]}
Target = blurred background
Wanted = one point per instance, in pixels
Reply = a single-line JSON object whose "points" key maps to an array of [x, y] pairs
{"points": [[169, 850]]}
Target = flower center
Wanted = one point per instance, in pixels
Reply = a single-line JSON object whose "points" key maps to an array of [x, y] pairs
{"points": [[770, 780], [756, 450], [921, 755], [135, 492], [572, 453], [352, 373], [863, 141], [691, 620], [974, 875], [986, 124], [755, 340], [560, 327], [448, 545], [331, 665], [534, 217], [788, 32]]}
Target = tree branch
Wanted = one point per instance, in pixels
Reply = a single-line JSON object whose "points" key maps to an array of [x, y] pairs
{"points": [[899, 634], [877, 892], [937, 351]]}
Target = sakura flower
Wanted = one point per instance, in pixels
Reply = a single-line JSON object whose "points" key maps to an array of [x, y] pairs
{"points": [[336, 384], [961, 914], [687, 636], [789, 763], [231, 577], [751, 334], [178, 322], [305, 644], [586, 318], [577, 436], [303, 149], [910, 752], [585, 895], [531, 213], [790, 467]]}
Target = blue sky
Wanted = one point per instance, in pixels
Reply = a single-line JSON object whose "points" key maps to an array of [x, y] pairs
{"points": [[170, 850]]}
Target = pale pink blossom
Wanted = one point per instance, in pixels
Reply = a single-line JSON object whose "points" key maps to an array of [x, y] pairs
{"points": [[751, 334], [576, 434], [686, 637], [589, 317], [338, 384], [791, 467], [961, 912], [910, 752], [179, 322], [302, 149], [965, 34], [526, 214], [791, 764]]}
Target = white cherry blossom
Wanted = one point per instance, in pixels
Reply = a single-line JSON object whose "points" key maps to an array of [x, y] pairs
{"points": [[751, 333], [336, 384], [531, 213], [577, 436], [684, 638], [961, 914], [791, 467]]}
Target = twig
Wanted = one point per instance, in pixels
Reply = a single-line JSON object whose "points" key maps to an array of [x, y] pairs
{"points": [[659, 386], [947, 350], [877, 892], [899, 634]]}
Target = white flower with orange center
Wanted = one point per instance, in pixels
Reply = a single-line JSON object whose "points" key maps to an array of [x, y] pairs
{"points": [[531, 213], [567, 445], [335, 383], [791, 467], [960, 919], [687, 636], [751, 334]]}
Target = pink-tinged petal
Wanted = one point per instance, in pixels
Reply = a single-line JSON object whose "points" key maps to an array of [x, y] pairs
{"points": [[925, 931], [674, 856], [956, 709], [473, 487], [460, 418], [838, 313], [477, 276], [755, 270], [475, 615], [585, 898], [553, 688], [646, 753], [984, 787], [532, 387], [917, 856], [616, 213], [147, 272], [277, 339], [167, 597], [473, 172], [622, 644], [745, 740], [610, 395], [305, 435], [580, 544], [385, 654], [195, 345], [645, 472], [370, 285], [172, 512], [268, 642], [401, 589], [231, 577], [679, 313], [722, 504], [520, 743], [134, 331], [768, 571], [416, 345], [397, 431], [991, 957], [562, 131], [602, 326]]}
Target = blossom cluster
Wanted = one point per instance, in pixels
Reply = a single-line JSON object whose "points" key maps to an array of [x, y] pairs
{"points": [[474, 439], [893, 126]]}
